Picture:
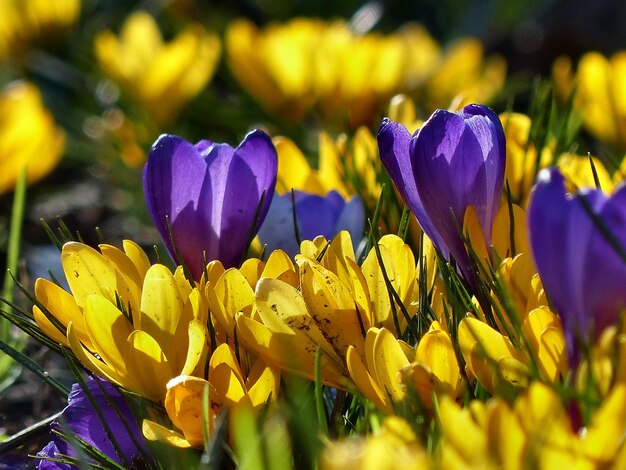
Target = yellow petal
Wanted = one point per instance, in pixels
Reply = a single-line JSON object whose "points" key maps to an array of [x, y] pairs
{"points": [[331, 305], [108, 330], [147, 365], [283, 310], [156, 432], [129, 282], [289, 352], [263, 383], [196, 352], [390, 360], [137, 256], [365, 382], [436, 350], [161, 307], [94, 365], [87, 272], [183, 403], [482, 348]]}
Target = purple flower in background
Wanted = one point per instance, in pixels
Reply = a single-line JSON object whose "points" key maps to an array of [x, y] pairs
{"points": [[581, 268], [316, 215], [454, 161], [80, 418], [210, 193]]}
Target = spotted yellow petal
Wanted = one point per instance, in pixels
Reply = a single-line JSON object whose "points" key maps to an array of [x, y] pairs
{"points": [[331, 305]]}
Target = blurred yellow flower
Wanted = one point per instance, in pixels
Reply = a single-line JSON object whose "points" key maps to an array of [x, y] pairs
{"points": [[522, 161], [305, 64], [464, 75], [227, 387], [161, 76], [578, 172], [135, 324], [21, 21], [29, 137], [599, 87], [393, 446]]}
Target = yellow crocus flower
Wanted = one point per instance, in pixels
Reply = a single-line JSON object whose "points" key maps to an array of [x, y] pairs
{"points": [[21, 22], [227, 387], [599, 93], [29, 138], [135, 324], [464, 76], [389, 367], [161, 76]]}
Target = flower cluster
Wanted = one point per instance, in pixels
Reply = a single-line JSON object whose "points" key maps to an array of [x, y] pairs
{"points": [[441, 286]]}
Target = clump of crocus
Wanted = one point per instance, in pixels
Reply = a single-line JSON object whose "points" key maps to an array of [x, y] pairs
{"points": [[207, 200], [578, 242], [314, 215], [107, 424], [454, 161]]}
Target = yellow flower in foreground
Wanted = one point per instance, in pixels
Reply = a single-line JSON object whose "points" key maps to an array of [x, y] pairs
{"points": [[393, 446], [391, 367], [28, 135], [535, 432], [600, 93], [22, 21], [161, 76], [294, 67], [227, 387], [134, 324], [336, 303]]}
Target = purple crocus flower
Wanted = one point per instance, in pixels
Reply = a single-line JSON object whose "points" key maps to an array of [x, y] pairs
{"points": [[455, 160], [316, 215], [581, 268], [80, 419], [210, 193]]}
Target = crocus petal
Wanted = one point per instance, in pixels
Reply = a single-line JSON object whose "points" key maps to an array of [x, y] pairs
{"points": [[251, 176], [172, 180], [316, 215], [394, 142], [568, 249], [82, 420]]}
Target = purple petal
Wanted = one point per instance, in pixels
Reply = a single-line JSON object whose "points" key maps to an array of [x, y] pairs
{"points": [[80, 418], [277, 230], [352, 219], [394, 142], [252, 175], [582, 273], [172, 179]]}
